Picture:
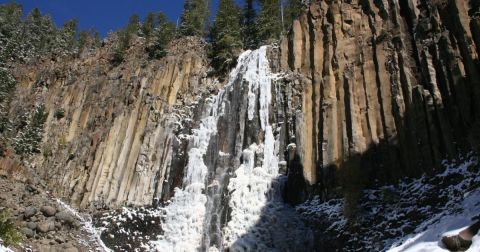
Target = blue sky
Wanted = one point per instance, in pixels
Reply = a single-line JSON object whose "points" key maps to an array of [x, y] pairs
{"points": [[103, 15]]}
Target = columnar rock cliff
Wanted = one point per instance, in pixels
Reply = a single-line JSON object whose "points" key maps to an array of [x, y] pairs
{"points": [[120, 137], [371, 91], [358, 93], [390, 88]]}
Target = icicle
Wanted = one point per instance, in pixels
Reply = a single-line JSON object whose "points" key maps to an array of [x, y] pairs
{"points": [[185, 215], [251, 186]]}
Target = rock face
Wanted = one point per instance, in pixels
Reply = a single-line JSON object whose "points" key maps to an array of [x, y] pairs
{"points": [[359, 93], [388, 89], [371, 91], [120, 136]]}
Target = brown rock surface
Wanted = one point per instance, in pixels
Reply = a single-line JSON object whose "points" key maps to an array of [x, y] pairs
{"points": [[120, 133], [374, 90], [389, 87]]}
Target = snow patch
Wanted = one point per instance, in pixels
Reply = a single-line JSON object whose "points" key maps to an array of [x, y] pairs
{"points": [[409, 216], [87, 225], [429, 240], [4, 249]]}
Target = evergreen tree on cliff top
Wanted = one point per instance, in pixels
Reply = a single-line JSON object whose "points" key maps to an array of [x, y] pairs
{"points": [[226, 36], [66, 39], [10, 31], [249, 27], [269, 21], [293, 9], [194, 18], [39, 34], [161, 35], [148, 25]]}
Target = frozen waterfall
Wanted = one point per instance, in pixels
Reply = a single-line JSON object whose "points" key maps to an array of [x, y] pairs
{"points": [[252, 190]]}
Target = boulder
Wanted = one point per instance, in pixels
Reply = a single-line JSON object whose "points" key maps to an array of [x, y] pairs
{"points": [[29, 212], [46, 226], [71, 249], [31, 225], [48, 211], [27, 232], [65, 217]]}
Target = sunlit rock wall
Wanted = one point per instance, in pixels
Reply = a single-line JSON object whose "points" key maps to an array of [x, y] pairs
{"points": [[120, 141]]}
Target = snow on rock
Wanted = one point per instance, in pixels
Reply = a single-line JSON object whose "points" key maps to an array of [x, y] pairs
{"points": [[130, 229], [260, 220], [249, 188], [409, 216], [87, 225], [186, 213], [183, 228], [4, 249], [447, 225]]}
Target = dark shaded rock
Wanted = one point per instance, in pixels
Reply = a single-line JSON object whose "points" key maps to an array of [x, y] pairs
{"points": [[31, 225], [60, 240], [65, 217], [27, 232], [29, 212]]}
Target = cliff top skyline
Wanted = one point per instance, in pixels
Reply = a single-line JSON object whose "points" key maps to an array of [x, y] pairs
{"points": [[105, 15]]}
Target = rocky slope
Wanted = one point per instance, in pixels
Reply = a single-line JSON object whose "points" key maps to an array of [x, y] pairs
{"points": [[46, 223]]}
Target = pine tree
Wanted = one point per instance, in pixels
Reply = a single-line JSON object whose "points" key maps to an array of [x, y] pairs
{"points": [[96, 40], [124, 37], [33, 30], [121, 46], [133, 25], [194, 18], [148, 25], [249, 26], [7, 87], [226, 36], [66, 42], [10, 31], [269, 21], [83, 38], [293, 9], [162, 35], [39, 34], [29, 139]]}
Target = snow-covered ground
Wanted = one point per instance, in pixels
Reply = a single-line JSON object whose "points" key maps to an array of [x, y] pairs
{"points": [[4, 249], [410, 216], [448, 225]]}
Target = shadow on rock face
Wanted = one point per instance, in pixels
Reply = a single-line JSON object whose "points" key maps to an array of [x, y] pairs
{"points": [[278, 227]]}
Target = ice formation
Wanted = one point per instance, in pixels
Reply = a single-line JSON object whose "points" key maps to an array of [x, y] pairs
{"points": [[251, 185], [186, 214], [254, 190]]}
